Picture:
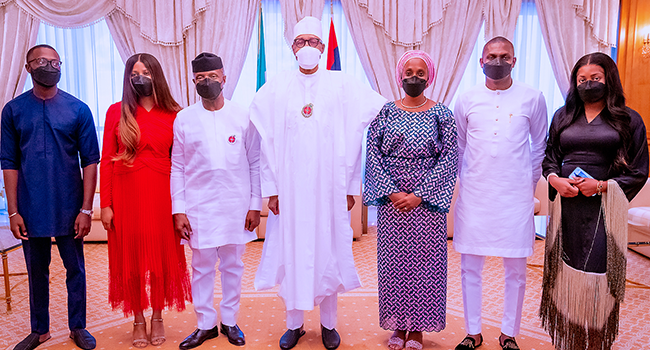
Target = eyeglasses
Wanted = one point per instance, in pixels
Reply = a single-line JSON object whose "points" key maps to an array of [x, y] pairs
{"points": [[313, 42], [42, 62], [201, 77]]}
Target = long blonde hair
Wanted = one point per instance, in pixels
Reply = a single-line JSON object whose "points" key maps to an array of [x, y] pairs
{"points": [[129, 131]]}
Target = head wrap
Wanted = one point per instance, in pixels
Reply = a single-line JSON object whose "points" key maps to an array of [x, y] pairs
{"points": [[206, 62], [414, 54], [308, 25]]}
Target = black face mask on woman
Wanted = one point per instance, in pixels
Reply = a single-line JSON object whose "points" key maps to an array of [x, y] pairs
{"points": [[47, 76], [208, 89], [142, 85], [591, 91], [414, 86]]}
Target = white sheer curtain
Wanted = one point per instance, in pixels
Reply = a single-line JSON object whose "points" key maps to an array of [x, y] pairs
{"points": [[574, 28], [501, 17], [17, 32], [225, 30], [533, 65], [216, 26], [295, 10], [279, 56], [172, 30], [129, 42], [447, 30], [92, 69]]}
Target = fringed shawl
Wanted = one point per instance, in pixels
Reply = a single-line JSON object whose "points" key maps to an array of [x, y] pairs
{"points": [[578, 307]]}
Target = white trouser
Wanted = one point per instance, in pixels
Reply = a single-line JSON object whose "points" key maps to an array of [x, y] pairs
{"points": [[471, 267], [203, 274], [296, 318]]}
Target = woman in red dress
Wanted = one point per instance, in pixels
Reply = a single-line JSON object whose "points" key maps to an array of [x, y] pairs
{"points": [[146, 260]]}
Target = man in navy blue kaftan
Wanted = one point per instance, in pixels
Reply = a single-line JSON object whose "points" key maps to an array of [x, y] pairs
{"points": [[48, 141]]}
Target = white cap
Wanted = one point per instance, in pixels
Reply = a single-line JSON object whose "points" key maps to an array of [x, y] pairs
{"points": [[308, 25]]}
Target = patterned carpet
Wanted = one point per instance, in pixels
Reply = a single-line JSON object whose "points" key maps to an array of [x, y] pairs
{"points": [[262, 313]]}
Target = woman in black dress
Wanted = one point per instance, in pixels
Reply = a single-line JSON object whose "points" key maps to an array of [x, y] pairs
{"points": [[596, 160]]}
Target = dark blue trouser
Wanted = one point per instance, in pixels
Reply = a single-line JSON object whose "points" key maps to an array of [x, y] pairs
{"points": [[38, 254]]}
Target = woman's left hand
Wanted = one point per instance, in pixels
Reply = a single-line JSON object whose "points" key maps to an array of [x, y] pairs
{"points": [[409, 202], [588, 187]]}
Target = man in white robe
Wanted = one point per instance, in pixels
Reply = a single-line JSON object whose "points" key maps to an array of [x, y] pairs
{"points": [[216, 198], [502, 127], [311, 122]]}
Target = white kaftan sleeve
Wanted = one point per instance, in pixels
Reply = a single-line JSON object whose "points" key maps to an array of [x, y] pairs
{"points": [[262, 115], [178, 169], [461, 128], [362, 106], [538, 131], [252, 144]]}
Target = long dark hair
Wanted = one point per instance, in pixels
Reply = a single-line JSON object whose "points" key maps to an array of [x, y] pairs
{"points": [[128, 127], [615, 114]]}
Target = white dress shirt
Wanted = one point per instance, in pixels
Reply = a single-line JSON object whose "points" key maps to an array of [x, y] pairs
{"points": [[215, 173], [501, 143]]}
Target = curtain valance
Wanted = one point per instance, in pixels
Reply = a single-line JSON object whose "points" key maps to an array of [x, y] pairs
{"points": [[405, 22], [162, 22], [602, 17]]}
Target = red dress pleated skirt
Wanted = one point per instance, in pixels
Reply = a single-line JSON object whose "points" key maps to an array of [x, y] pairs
{"points": [[146, 260]]}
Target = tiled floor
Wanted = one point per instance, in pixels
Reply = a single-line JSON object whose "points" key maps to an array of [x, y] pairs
{"points": [[262, 312]]}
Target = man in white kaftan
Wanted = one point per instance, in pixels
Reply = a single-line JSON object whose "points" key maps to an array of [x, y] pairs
{"points": [[502, 127], [311, 124], [216, 198]]}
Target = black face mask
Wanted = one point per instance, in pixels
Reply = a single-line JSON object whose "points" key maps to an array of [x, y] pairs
{"points": [[142, 85], [46, 76], [208, 89], [414, 86], [497, 69], [591, 91]]}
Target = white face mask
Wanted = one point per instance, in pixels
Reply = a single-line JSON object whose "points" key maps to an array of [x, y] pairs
{"points": [[308, 57]]}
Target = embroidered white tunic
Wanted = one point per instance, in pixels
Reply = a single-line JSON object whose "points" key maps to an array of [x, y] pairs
{"points": [[215, 173], [501, 143], [311, 162]]}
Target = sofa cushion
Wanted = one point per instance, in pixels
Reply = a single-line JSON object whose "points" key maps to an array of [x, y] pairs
{"points": [[639, 216]]}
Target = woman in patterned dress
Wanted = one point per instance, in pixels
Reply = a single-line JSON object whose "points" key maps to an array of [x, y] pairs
{"points": [[410, 175], [146, 261]]}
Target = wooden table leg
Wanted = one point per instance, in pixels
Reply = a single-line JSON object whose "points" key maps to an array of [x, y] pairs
{"points": [[364, 220], [5, 269]]}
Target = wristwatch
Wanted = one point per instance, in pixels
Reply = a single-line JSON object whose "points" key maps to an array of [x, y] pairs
{"points": [[88, 212]]}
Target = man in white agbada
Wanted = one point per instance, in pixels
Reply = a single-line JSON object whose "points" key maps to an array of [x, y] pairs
{"points": [[311, 123], [502, 128], [216, 198]]}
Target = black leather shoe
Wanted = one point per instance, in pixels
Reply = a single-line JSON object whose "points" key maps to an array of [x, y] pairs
{"points": [[30, 342], [83, 339], [198, 337], [234, 334], [469, 343], [290, 338], [331, 338], [509, 344]]}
